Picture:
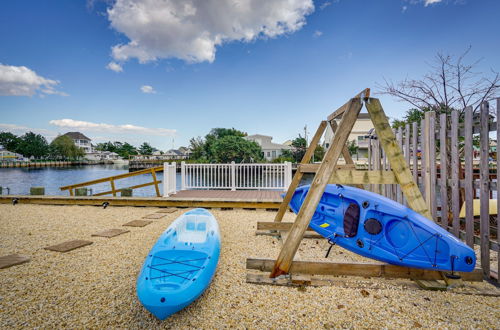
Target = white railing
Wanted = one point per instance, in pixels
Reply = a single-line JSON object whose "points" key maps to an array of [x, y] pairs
{"points": [[236, 176], [169, 179]]}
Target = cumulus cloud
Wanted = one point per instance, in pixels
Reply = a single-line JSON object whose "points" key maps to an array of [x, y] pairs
{"points": [[22, 81], [430, 2], [148, 89], [113, 66], [21, 129], [191, 30], [109, 128]]}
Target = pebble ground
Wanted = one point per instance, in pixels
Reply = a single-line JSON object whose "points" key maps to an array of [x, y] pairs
{"points": [[94, 287]]}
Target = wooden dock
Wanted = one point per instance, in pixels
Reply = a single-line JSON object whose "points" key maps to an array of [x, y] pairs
{"points": [[258, 199]]}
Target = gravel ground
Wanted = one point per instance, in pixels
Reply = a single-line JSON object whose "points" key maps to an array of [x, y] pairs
{"points": [[94, 287]]}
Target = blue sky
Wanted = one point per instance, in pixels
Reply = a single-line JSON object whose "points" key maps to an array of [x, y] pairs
{"points": [[184, 67]]}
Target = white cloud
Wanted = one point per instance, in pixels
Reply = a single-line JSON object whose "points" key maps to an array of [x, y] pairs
{"points": [[22, 81], [325, 4], [111, 129], [19, 130], [317, 34], [148, 89], [431, 2], [191, 30], [113, 66]]}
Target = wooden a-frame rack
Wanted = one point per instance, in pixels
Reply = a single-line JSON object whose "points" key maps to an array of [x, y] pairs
{"points": [[328, 171]]}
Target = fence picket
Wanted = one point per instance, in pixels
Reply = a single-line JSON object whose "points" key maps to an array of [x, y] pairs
{"points": [[443, 169], [455, 190], [484, 227], [469, 192]]}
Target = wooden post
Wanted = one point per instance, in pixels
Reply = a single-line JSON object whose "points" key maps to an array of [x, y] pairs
{"points": [[415, 149], [395, 156], [399, 137], [325, 171], [157, 188], [113, 189], [298, 174], [455, 190], [498, 204], [469, 180], [443, 169], [345, 150], [432, 156], [484, 190]]}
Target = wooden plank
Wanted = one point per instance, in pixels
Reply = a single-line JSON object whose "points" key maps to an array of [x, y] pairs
{"points": [[264, 225], [376, 162], [455, 190], [399, 138], [484, 193], [407, 149], [395, 156], [13, 260], [498, 204], [154, 216], [359, 269], [132, 187], [364, 94], [307, 234], [313, 168], [425, 161], [345, 151], [155, 181], [114, 177], [113, 188], [351, 177], [110, 233], [167, 210], [443, 168], [285, 258], [469, 190], [432, 164], [415, 149], [299, 174], [68, 246]]}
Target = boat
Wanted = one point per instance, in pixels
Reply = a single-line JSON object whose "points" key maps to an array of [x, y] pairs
{"points": [[181, 264], [379, 228]]}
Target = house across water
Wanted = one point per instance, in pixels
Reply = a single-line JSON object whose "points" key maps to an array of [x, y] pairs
{"points": [[270, 149]]}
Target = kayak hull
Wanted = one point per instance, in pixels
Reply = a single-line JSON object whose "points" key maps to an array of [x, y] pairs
{"points": [[379, 228], [181, 264]]}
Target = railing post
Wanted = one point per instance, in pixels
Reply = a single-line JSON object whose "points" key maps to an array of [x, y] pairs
{"points": [[173, 182], [183, 175], [165, 179], [288, 175], [233, 176]]}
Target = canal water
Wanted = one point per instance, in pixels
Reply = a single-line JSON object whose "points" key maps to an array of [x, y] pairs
{"points": [[19, 180]]}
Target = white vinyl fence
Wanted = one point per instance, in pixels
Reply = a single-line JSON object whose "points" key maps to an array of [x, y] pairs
{"points": [[169, 179], [230, 176]]}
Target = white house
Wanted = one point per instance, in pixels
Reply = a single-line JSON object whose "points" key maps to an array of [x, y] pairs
{"points": [[81, 141], [9, 155], [270, 150]]}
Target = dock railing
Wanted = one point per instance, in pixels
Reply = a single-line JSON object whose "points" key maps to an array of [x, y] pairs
{"points": [[169, 178], [236, 176], [112, 179]]}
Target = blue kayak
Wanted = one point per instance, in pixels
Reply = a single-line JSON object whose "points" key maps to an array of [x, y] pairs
{"points": [[181, 264], [379, 228]]}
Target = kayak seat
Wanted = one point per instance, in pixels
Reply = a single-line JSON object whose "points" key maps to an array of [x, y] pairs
{"points": [[351, 220]]}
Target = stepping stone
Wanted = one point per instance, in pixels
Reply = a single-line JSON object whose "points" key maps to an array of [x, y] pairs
{"points": [[12, 260], [154, 216], [68, 246], [167, 210], [111, 233], [138, 223]]}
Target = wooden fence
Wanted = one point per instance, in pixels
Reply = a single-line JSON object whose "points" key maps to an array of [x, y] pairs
{"points": [[454, 160]]}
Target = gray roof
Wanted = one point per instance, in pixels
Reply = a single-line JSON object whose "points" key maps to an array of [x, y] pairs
{"points": [[77, 136]]}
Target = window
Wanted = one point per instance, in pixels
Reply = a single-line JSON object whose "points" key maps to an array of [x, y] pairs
{"points": [[361, 138], [268, 154], [274, 153]]}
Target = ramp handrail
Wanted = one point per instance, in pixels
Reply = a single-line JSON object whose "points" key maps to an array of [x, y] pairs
{"points": [[111, 180]]}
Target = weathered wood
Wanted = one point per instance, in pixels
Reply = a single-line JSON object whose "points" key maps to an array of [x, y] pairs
{"points": [[264, 225], [13, 260], [399, 138], [154, 216], [137, 223], [443, 168], [407, 149], [395, 156], [68, 246], [455, 190], [359, 269], [299, 173], [484, 193], [113, 188], [325, 171], [155, 181], [498, 204], [110, 233], [414, 140], [345, 151], [307, 234], [132, 187], [313, 168], [432, 163], [351, 177], [469, 192], [376, 162], [425, 160], [364, 94]]}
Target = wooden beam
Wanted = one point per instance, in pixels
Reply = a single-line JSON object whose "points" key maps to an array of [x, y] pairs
{"points": [[325, 171], [264, 225], [155, 181], [396, 158], [360, 269], [364, 94], [298, 174], [313, 168], [353, 177]]}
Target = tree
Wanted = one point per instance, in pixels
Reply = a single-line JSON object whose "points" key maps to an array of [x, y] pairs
{"points": [[123, 149], [450, 84], [64, 147], [352, 147], [319, 153], [32, 144], [145, 149], [9, 141], [236, 148], [299, 145]]}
